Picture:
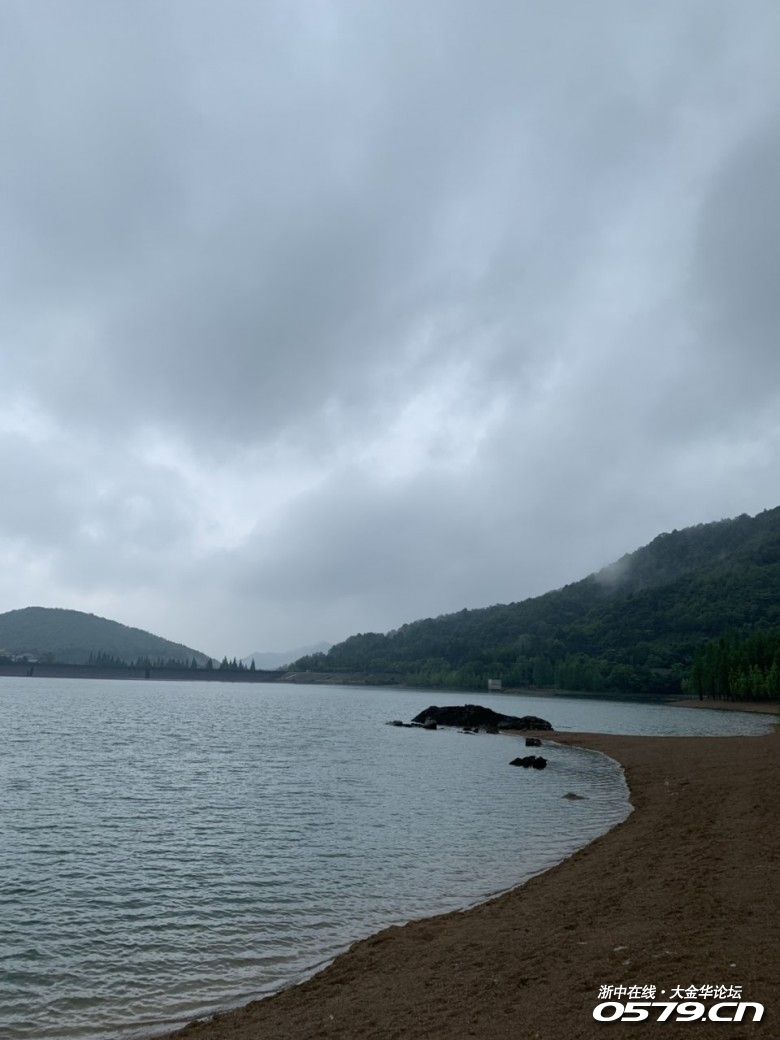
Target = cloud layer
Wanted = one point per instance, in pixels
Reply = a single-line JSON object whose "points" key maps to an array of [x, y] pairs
{"points": [[319, 317]]}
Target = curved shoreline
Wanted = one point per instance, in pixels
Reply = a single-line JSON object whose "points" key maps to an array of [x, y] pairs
{"points": [[683, 892]]}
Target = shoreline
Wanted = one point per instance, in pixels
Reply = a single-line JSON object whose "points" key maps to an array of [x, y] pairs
{"points": [[758, 707], [682, 892]]}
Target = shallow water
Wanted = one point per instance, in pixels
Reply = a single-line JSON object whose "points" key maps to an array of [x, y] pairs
{"points": [[170, 848]]}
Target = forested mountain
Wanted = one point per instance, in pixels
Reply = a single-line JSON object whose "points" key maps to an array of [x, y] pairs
{"points": [[636, 625], [70, 636]]}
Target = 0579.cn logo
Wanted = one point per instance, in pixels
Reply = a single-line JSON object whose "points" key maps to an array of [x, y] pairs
{"points": [[680, 1007]]}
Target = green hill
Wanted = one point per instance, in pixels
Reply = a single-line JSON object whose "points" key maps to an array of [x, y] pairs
{"points": [[72, 637], [636, 625]]}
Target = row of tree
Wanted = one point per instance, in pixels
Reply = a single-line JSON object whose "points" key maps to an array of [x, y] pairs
{"points": [[101, 659], [105, 660], [738, 669], [234, 665]]}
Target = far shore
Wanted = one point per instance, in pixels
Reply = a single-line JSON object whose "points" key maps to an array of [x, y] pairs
{"points": [[684, 892], [760, 707], [46, 670]]}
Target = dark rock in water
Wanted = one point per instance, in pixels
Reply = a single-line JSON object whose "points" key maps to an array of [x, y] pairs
{"points": [[530, 762], [430, 724], [473, 716], [533, 742], [396, 722], [572, 797]]}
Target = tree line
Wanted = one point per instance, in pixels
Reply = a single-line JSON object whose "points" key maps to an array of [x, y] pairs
{"points": [[738, 669], [105, 660]]}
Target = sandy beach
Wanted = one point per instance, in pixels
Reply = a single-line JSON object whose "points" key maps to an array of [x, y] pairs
{"points": [[683, 893]]}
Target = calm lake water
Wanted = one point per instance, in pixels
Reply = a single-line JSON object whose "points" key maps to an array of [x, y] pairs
{"points": [[170, 848]]}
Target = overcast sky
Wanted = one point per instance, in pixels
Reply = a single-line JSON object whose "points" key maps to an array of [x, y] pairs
{"points": [[319, 317]]}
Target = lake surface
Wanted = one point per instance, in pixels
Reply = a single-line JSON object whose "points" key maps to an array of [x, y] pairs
{"points": [[167, 849]]}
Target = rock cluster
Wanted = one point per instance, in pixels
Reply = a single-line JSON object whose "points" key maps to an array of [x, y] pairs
{"points": [[475, 717]]}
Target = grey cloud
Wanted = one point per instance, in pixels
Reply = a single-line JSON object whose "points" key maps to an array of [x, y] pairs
{"points": [[738, 261], [273, 225], [481, 282]]}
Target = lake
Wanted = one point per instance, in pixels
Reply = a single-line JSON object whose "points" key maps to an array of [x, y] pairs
{"points": [[167, 849]]}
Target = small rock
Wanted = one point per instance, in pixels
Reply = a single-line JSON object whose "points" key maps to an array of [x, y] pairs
{"points": [[574, 797], [530, 762]]}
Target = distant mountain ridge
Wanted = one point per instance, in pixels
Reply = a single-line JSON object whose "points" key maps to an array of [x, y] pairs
{"points": [[636, 625], [279, 658], [72, 636]]}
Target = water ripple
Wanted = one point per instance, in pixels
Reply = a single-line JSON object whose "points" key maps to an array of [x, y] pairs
{"points": [[167, 849]]}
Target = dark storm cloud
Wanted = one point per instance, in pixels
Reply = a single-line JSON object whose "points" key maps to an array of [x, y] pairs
{"points": [[321, 316]]}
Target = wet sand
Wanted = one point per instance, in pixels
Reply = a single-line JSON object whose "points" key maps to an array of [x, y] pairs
{"points": [[683, 893]]}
